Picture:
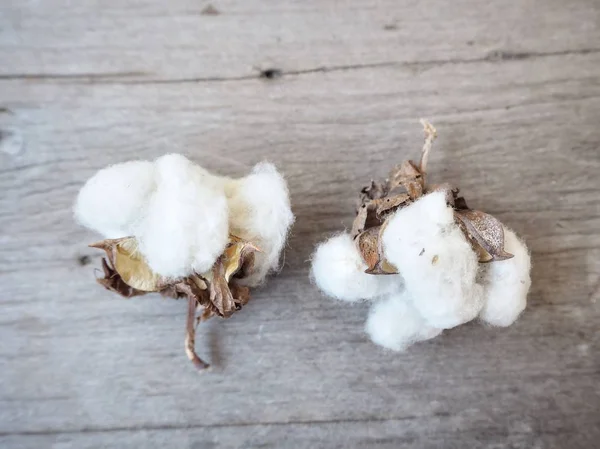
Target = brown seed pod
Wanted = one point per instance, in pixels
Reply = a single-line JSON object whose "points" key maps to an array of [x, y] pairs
{"points": [[406, 183]]}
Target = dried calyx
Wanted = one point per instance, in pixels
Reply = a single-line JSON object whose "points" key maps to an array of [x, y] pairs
{"points": [[216, 292], [406, 183]]}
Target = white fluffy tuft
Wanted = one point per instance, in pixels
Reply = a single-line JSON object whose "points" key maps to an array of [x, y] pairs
{"points": [[395, 323], [111, 201], [339, 271], [437, 263], [260, 212], [182, 215], [507, 283], [185, 225]]}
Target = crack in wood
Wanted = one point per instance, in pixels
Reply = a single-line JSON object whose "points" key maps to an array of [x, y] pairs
{"points": [[496, 56], [205, 426], [70, 76]]}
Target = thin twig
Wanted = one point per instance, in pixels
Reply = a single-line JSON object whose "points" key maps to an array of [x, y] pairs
{"points": [[430, 135], [190, 340]]}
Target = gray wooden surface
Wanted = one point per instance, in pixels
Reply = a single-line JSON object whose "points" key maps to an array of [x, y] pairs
{"points": [[514, 91]]}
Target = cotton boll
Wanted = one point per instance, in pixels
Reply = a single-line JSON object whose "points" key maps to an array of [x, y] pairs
{"points": [[395, 323], [339, 271], [111, 201], [185, 225], [437, 263], [260, 212], [507, 283]]}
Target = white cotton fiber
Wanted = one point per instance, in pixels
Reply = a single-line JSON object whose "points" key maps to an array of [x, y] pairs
{"points": [[112, 200], [260, 212], [507, 283], [395, 323], [185, 225], [182, 215], [437, 263], [339, 271]]}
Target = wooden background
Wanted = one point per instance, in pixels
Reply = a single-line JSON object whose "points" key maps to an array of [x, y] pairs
{"points": [[514, 91]]}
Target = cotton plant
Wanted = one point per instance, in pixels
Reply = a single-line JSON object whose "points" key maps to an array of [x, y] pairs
{"points": [[172, 227], [425, 260]]}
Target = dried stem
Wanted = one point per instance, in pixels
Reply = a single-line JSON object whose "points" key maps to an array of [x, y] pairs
{"points": [[216, 291], [430, 135], [190, 340]]}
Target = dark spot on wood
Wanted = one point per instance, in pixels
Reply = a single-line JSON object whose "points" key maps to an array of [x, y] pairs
{"points": [[390, 27], [501, 55], [210, 10], [271, 74], [84, 260], [5, 111], [470, 43], [560, 225], [11, 141], [422, 252], [581, 334]]}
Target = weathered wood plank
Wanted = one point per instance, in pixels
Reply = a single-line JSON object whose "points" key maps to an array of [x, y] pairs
{"points": [[152, 40], [468, 430]]}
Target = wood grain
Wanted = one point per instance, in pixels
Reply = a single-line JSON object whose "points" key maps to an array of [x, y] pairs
{"points": [[514, 91]]}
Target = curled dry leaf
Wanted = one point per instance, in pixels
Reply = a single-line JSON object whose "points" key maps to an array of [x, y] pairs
{"points": [[407, 176], [112, 281], [368, 245], [405, 184], [486, 231], [216, 292], [373, 212], [370, 248], [238, 257], [126, 259], [389, 204], [365, 218]]}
